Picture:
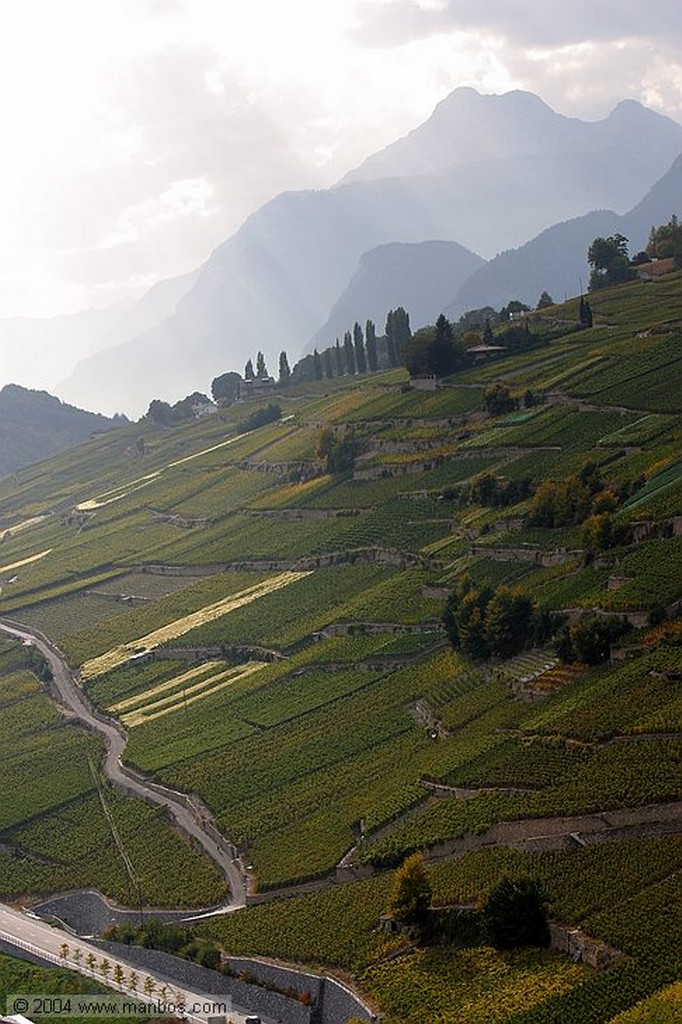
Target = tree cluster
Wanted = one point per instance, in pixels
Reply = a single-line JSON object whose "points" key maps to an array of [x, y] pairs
{"points": [[588, 639], [583, 496], [519, 338], [498, 400], [170, 938], [259, 417], [261, 370], [338, 451], [484, 622], [166, 415], [601, 532], [360, 352], [565, 502], [610, 263], [494, 491], [666, 241], [433, 350]]}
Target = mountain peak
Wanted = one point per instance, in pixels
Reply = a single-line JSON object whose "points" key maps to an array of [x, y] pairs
{"points": [[517, 124]]}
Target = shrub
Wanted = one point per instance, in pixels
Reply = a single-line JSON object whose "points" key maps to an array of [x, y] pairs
{"points": [[515, 914]]}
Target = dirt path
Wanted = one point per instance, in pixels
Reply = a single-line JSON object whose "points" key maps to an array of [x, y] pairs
{"points": [[188, 812]]}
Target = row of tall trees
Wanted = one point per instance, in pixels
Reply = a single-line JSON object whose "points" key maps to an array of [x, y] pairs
{"points": [[360, 351]]}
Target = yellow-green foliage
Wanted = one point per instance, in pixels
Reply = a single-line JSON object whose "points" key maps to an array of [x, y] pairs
{"points": [[119, 655], [663, 1008]]}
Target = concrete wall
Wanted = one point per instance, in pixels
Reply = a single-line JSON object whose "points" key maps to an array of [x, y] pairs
{"points": [[332, 1001]]}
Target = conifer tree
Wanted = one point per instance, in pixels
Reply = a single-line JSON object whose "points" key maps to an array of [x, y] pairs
{"points": [[359, 346], [261, 368], [248, 370], [328, 368], [390, 339], [317, 363], [349, 352], [371, 346], [284, 368], [338, 358]]}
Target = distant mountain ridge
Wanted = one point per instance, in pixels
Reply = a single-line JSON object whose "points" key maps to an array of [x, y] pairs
{"points": [[519, 123], [556, 260], [420, 276], [273, 284], [35, 425]]}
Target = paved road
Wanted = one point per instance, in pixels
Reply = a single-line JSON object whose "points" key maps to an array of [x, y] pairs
{"points": [[29, 933], [190, 817]]}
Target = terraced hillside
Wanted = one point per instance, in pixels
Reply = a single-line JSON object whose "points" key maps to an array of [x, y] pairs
{"points": [[270, 636]]}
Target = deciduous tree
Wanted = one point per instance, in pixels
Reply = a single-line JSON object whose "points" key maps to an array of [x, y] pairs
{"points": [[410, 896], [225, 388]]}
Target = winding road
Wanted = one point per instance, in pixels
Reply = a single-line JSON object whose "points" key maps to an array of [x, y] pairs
{"points": [[188, 813]]}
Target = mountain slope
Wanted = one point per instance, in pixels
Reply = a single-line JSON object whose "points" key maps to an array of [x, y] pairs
{"points": [[272, 285], [419, 276], [544, 751], [35, 425], [556, 260], [39, 351]]}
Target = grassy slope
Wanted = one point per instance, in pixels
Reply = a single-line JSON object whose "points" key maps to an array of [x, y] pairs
{"points": [[290, 757]]}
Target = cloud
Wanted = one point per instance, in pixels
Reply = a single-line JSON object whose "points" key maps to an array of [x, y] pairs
{"points": [[528, 23], [581, 57], [186, 154]]}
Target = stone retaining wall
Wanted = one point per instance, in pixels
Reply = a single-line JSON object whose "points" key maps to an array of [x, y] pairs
{"points": [[583, 948]]}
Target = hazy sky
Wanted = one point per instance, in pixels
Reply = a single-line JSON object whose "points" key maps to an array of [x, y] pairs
{"points": [[138, 134]]}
